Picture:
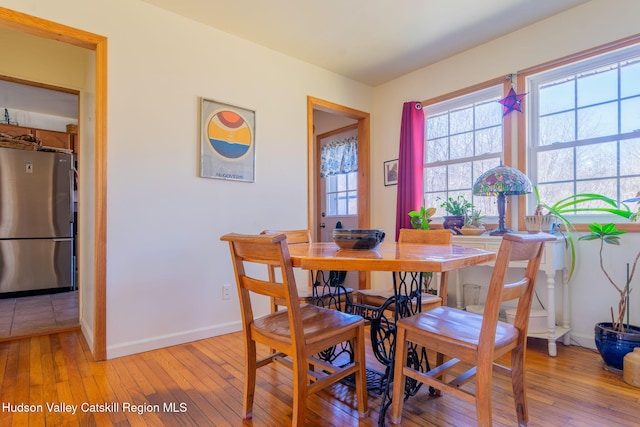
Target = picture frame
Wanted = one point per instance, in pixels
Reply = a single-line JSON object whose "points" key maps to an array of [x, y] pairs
{"points": [[390, 172], [227, 141]]}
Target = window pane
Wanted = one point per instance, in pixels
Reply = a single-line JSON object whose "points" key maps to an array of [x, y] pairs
{"points": [[352, 179], [461, 120], [630, 119], [556, 165], [437, 150], [596, 160], [437, 126], [341, 182], [488, 114], [599, 86], [557, 128], [435, 178], [551, 193], [353, 203], [630, 79], [342, 205], [606, 187], [556, 97], [601, 120], [431, 200], [489, 141], [629, 189], [630, 159], [459, 176], [332, 204], [461, 146]]}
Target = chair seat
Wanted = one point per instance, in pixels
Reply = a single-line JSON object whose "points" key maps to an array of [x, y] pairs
{"points": [[377, 297], [461, 327], [317, 323]]}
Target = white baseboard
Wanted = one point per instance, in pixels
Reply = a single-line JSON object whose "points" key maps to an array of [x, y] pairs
{"points": [[168, 340]]}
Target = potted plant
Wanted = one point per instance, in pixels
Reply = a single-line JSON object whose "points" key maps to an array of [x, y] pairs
{"points": [[458, 210], [616, 338], [420, 219], [581, 202], [473, 224]]}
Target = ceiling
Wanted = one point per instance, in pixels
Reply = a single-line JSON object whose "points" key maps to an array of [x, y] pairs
{"points": [[370, 41]]}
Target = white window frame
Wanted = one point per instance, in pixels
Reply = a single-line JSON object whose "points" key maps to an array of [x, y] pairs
{"points": [[493, 89], [582, 63]]}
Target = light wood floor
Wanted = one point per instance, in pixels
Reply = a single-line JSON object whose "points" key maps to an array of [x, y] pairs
{"points": [[203, 379], [38, 314]]}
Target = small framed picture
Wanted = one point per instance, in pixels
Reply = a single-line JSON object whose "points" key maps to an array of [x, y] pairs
{"points": [[391, 172]]}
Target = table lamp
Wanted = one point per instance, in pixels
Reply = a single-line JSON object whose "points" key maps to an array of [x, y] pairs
{"points": [[501, 181]]}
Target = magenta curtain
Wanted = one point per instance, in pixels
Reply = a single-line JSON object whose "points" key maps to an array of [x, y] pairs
{"points": [[410, 164]]}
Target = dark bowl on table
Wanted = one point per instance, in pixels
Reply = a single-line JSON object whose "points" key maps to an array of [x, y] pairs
{"points": [[358, 238]]}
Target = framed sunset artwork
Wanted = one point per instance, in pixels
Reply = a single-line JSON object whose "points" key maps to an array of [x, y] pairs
{"points": [[227, 146]]}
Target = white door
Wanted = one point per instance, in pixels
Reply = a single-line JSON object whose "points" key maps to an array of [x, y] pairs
{"points": [[338, 202]]}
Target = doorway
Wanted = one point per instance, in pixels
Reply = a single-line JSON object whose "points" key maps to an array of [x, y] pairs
{"points": [[361, 123], [93, 299]]}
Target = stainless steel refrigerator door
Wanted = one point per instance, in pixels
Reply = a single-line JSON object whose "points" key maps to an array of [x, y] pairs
{"points": [[32, 264], [35, 194]]}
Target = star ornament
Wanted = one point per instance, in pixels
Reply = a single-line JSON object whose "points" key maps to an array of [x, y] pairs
{"points": [[511, 102]]}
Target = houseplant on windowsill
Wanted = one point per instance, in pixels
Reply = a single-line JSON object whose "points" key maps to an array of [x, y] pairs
{"points": [[473, 224], [581, 202], [616, 338], [458, 210]]}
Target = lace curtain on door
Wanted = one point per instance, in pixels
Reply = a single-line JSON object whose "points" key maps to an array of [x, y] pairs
{"points": [[338, 157]]}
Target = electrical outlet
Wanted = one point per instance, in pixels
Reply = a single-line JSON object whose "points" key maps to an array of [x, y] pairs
{"points": [[226, 291]]}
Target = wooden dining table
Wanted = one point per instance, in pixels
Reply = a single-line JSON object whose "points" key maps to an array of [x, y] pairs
{"points": [[392, 257]]}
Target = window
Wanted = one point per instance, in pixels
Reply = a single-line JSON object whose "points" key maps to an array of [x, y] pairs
{"points": [[584, 127], [463, 139], [342, 194]]}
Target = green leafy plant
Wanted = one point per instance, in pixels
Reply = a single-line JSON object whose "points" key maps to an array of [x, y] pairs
{"points": [[420, 219], [458, 206], [610, 235], [575, 204]]}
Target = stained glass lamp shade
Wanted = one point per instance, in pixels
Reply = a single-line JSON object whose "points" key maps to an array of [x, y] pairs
{"points": [[501, 181]]}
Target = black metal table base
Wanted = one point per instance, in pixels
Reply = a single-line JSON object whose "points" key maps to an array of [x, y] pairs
{"points": [[406, 301]]}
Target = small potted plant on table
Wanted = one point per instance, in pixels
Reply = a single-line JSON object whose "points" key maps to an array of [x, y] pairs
{"points": [[420, 219]]}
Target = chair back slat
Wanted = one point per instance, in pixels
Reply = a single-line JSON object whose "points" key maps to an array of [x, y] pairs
{"points": [[294, 237], [514, 247], [269, 250], [428, 237]]}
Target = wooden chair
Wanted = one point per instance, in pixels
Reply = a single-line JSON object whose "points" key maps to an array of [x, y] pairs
{"points": [[296, 237], [474, 339], [297, 333], [377, 297]]}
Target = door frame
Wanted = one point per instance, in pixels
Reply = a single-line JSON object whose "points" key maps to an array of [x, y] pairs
{"points": [[62, 33], [364, 167]]}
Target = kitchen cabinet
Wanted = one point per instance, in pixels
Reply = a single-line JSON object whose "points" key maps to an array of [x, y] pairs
{"points": [[48, 138]]}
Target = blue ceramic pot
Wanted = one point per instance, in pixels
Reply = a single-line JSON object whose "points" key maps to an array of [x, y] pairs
{"points": [[613, 346]]}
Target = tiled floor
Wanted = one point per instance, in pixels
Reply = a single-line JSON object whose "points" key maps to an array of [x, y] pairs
{"points": [[37, 314]]}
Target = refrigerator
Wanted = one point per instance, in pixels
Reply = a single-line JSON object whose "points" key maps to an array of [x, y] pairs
{"points": [[36, 220]]}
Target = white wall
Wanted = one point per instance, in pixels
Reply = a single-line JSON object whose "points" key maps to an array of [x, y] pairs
{"points": [[165, 263], [584, 27]]}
